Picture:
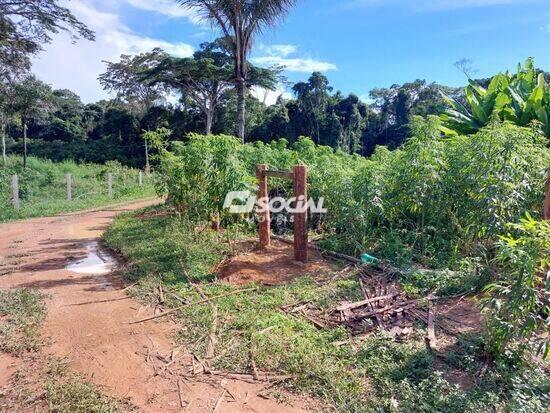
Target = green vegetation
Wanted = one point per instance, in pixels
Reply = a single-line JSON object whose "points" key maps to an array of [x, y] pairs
{"points": [[43, 188], [21, 315], [381, 373], [519, 99], [432, 202], [67, 392]]}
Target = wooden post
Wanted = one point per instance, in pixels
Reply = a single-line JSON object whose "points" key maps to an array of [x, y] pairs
{"points": [[264, 229], [140, 178], [546, 212], [110, 184], [15, 191], [69, 188], [300, 218]]}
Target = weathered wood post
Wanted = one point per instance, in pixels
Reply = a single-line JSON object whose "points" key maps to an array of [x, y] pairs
{"points": [[140, 178], [15, 191], [546, 211], [69, 188], [264, 229], [110, 184], [300, 217]]}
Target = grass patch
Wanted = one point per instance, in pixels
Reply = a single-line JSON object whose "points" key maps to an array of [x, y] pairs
{"points": [[379, 374], [67, 392], [43, 187], [21, 314]]}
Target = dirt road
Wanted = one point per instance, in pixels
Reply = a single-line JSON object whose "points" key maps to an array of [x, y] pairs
{"points": [[88, 315]]}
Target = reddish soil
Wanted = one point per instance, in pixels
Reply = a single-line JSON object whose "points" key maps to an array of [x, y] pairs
{"points": [[274, 265], [88, 315]]}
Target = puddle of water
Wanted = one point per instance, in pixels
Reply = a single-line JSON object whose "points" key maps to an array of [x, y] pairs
{"points": [[97, 262]]}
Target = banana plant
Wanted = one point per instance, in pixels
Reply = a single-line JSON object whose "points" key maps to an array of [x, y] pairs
{"points": [[481, 106], [530, 98], [519, 99]]}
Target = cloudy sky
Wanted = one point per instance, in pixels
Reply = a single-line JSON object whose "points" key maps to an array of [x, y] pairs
{"points": [[358, 44]]}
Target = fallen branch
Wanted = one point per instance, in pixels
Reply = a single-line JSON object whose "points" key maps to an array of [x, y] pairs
{"points": [[399, 307], [205, 300], [363, 303], [219, 401], [180, 392]]}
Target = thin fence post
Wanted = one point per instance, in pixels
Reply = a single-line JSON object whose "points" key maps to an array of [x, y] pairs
{"points": [[264, 229], [110, 184], [300, 216], [69, 188], [140, 178], [15, 191]]}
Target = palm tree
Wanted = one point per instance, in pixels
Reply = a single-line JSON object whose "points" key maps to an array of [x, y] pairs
{"points": [[240, 21]]}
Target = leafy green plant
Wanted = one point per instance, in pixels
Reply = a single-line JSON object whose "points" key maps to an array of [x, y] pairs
{"points": [[520, 299], [520, 99]]}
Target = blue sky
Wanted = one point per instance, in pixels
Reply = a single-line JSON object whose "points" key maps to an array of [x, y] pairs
{"points": [[358, 44]]}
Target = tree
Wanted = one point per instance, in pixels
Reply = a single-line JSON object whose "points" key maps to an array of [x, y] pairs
{"points": [[125, 79], [240, 21], [5, 95], [25, 26], [31, 98], [204, 78]]}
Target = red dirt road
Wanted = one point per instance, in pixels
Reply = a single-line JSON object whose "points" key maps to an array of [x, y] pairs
{"points": [[88, 315]]}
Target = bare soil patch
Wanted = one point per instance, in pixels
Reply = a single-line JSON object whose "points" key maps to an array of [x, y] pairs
{"points": [[274, 265]]}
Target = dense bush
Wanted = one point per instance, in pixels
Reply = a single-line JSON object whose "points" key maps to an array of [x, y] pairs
{"points": [[434, 201]]}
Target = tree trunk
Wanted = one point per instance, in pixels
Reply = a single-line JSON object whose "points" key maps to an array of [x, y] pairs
{"points": [[24, 123], [240, 108], [209, 121], [3, 132]]}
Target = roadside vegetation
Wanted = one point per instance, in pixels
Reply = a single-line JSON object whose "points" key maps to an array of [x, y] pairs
{"points": [[460, 217], [43, 187], [382, 372]]}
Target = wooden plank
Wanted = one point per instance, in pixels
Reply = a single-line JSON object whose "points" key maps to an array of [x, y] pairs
{"points": [[279, 174]]}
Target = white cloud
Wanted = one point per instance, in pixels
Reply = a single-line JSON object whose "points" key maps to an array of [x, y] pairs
{"points": [[437, 5], [269, 97], [166, 7], [279, 55], [546, 28], [77, 66], [279, 49]]}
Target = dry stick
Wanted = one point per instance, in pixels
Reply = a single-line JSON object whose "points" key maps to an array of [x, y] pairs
{"points": [[161, 294], [175, 310], [180, 391], [371, 305], [210, 347], [363, 303], [219, 401], [394, 307]]}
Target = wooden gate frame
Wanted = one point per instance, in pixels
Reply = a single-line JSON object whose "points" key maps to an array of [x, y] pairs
{"points": [[299, 179]]}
